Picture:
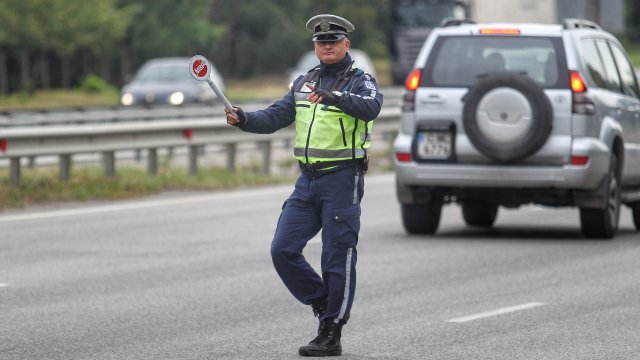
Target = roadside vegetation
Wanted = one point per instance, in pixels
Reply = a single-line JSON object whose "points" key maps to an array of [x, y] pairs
{"points": [[89, 183], [634, 54], [267, 88]]}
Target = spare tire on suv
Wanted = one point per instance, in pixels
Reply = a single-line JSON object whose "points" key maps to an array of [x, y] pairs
{"points": [[507, 116]]}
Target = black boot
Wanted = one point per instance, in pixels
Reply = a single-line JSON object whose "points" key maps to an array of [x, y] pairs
{"points": [[319, 309], [327, 343]]}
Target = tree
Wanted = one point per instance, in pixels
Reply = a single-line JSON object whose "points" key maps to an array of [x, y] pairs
{"points": [[170, 28], [76, 24], [633, 20], [22, 22]]}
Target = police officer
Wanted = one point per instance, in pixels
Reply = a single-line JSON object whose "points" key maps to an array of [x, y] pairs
{"points": [[333, 107]]}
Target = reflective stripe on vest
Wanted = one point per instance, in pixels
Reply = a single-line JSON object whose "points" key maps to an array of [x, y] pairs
{"points": [[326, 133]]}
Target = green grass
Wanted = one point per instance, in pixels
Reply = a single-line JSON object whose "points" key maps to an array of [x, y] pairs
{"points": [[58, 99], [89, 183], [267, 88], [634, 54]]}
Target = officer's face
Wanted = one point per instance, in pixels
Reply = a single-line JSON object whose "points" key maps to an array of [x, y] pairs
{"points": [[331, 52]]}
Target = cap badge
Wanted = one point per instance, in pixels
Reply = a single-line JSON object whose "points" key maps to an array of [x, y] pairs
{"points": [[324, 25]]}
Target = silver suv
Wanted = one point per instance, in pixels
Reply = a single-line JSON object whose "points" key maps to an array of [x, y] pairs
{"points": [[511, 114]]}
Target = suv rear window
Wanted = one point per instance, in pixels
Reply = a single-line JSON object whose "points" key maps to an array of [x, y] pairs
{"points": [[458, 61]]}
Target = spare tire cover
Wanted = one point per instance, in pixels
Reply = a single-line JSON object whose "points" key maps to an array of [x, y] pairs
{"points": [[507, 117]]}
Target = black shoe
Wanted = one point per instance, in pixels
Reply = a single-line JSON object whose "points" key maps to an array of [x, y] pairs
{"points": [[319, 309], [327, 343]]}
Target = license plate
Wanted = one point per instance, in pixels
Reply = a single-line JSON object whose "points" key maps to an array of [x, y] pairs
{"points": [[434, 144]]}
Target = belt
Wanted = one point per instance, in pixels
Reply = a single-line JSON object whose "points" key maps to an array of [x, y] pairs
{"points": [[328, 165]]}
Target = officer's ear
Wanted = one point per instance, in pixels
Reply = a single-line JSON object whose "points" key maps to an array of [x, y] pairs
{"points": [[347, 43]]}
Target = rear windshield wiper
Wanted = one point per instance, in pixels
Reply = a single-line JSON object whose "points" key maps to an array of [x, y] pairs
{"points": [[483, 75]]}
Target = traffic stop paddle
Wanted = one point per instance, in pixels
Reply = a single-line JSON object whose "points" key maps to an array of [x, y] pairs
{"points": [[201, 71]]}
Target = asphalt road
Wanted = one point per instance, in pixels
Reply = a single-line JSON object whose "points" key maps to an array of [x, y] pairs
{"points": [[188, 276]]}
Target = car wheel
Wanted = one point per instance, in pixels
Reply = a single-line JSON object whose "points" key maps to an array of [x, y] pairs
{"points": [[421, 218], [507, 117], [635, 211], [603, 223], [476, 213]]}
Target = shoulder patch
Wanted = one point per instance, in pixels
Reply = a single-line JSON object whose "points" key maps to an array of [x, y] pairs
{"points": [[370, 85]]}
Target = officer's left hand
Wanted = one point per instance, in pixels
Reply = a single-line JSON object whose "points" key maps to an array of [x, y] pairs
{"points": [[323, 96]]}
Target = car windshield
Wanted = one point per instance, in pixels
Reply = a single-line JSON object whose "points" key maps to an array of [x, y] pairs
{"points": [[164, 73], [419, 13], [459, 61]]}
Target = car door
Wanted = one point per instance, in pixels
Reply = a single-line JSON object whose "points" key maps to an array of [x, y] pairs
{"points": [[629, 104]]}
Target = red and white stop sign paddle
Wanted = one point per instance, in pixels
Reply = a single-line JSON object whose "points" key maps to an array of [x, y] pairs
{"points": [[200, 70]]}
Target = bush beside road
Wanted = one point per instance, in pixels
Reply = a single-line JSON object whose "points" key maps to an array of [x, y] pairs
{"points": [[89, 183]]}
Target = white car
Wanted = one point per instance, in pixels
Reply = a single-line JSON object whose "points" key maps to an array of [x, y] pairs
{"points": [[502, 115]]}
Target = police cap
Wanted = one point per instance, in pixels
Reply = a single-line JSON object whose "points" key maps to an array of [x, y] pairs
{"points": [[327, 27]]}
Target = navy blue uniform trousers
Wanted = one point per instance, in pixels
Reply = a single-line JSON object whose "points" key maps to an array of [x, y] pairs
{"points": [[329, 201]]}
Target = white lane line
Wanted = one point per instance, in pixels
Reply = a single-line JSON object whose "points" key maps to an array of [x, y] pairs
{"points": [[3, 284], [144, 204], [496, 312]]}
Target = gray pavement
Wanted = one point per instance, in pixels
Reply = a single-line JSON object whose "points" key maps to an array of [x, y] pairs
{"points": [[188, 276]]}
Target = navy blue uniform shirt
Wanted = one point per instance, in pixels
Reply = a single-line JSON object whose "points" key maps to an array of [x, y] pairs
{"points": [[363, 101]]}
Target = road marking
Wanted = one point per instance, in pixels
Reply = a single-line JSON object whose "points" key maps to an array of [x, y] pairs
{"points": [[496, 312], [3, 284], [145, 204]]}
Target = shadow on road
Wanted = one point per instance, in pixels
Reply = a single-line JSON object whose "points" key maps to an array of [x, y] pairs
{"points": [[509, 233]]}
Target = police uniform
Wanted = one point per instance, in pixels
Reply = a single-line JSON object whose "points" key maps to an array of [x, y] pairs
{"points": [[331, 146]]}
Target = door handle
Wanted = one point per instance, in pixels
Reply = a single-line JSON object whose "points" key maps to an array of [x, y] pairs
{"points": [[435, 100]]}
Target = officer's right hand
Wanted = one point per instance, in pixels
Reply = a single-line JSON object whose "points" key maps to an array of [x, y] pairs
{"points": [[236, 117]]}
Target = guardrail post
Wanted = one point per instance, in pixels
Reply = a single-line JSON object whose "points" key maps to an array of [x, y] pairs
{"points": [[64, 163], [32, 162], [152, 164], [14, 171], [231, 156], [265, 148], [109, 163], [193, 159]]}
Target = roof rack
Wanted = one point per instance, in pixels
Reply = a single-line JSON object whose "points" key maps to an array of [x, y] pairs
{"points": [[446, 22], [572, 23]]}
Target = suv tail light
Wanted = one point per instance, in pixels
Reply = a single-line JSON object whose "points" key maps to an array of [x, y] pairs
{"points": [[413, 79], [582, 103], [411, 84]]}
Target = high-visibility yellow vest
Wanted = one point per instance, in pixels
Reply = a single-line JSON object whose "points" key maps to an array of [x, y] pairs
{"points": [[326, 133]]}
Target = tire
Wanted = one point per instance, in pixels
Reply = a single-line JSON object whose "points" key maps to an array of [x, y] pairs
{"points": [[421, 218], [603, 223], [635, 211], [477, 213], [507, 117]]}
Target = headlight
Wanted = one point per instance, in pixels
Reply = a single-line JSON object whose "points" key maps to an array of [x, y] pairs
{"points": [[126, 99], [176, 98]]}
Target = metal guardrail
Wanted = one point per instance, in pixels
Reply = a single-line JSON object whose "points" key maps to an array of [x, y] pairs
{"points": [[97, 115], [107, 138]]}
